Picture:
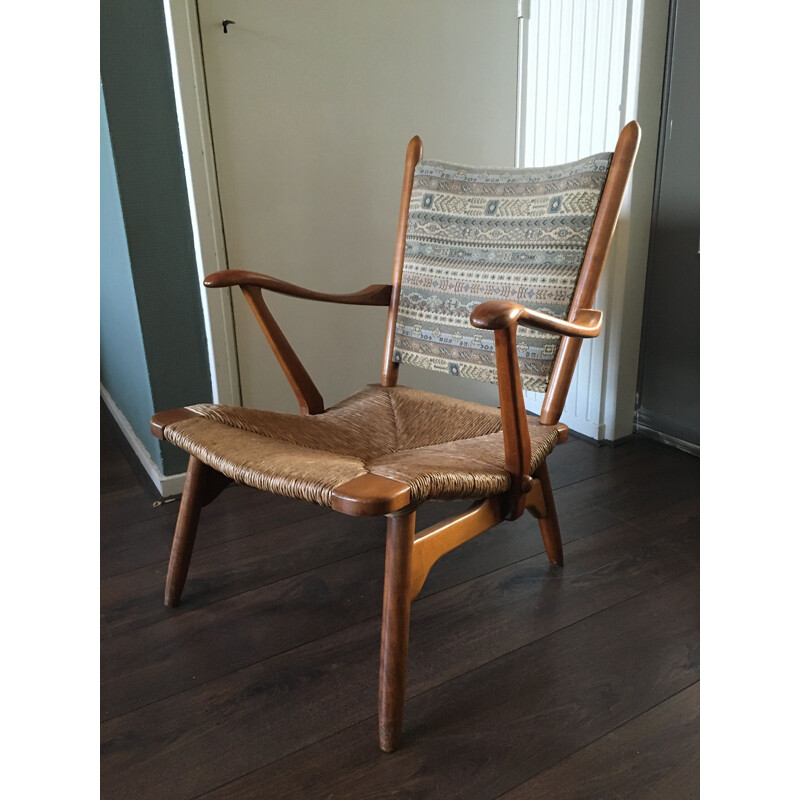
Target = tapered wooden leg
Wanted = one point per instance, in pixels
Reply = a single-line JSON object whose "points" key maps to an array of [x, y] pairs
{"points": [[394, 631], [197, 476], [548, 523]]}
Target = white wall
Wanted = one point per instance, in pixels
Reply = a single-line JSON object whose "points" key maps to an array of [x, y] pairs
{"points": [[312, 105]]}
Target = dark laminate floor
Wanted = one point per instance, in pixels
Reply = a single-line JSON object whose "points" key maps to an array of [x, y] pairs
{"points": [[525, 681]]}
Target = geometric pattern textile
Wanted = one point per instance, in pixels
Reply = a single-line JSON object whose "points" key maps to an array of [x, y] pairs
{"points": [[477, 234]]}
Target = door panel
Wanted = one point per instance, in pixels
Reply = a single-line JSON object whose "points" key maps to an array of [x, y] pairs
{"points": [[312, 104], [669, 371]]}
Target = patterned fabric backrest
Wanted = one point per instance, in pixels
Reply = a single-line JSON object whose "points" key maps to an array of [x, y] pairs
{"points": [[477, 234]]}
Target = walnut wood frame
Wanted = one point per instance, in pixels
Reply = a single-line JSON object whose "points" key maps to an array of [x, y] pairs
{"points": [[410, 555]]}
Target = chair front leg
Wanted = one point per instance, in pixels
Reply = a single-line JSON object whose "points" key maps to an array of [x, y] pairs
{"points": [[202, 485], [548, 521], [394, 631]]}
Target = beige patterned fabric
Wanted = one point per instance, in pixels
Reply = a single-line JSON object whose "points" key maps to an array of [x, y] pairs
{"points": [[477, 234], [443, 448]]}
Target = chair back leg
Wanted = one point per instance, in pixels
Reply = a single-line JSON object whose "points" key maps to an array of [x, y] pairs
{"points": [[548, 522], [394, 631], [185, 529]]}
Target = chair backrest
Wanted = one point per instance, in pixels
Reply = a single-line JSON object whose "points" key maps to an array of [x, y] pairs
{"points": [[475, 234]]}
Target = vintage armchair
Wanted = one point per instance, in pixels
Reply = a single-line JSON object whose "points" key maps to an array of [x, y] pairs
{"points": [[514, 252]]}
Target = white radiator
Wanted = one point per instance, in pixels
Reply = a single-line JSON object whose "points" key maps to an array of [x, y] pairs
{"points": [[572, 86]]}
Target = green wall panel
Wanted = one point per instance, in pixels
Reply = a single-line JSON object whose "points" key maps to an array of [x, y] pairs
{"points": [[137, 81], [123, 367]]}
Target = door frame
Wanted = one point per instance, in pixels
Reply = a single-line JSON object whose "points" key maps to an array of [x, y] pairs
{"points": [[194, 123]]}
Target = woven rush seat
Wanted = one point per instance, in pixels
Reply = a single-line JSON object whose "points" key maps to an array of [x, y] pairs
{"points": [[441, 447]]}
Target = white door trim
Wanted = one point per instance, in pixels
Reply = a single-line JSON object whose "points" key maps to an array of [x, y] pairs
{"points": [[188, 76]]}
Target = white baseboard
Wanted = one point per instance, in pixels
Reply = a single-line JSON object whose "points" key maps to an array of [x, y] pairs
{"points": [[587, 427], [166, 485], [590, 429]]}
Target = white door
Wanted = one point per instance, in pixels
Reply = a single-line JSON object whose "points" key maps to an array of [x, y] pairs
{"points": [[312, 103]]}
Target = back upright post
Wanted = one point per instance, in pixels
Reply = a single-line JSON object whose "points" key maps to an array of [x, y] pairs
{"points": [[589, 279], [413, 157]]}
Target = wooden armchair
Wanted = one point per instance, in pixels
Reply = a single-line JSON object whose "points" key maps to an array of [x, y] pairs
{"points": [[517, 252]]}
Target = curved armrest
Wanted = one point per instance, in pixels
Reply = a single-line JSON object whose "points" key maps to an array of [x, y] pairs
{"points": [[497, 314], [377, 294], [251, 284], [503, 317]]}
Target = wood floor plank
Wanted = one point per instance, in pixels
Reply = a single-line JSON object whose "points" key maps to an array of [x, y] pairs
{"points": [[116, 473], [579, 459], [263, 684], [238, 563], [238, 512], [639, 488], [655, 756], [483, 733], [151, 663], [315, 690], [222, 565]]}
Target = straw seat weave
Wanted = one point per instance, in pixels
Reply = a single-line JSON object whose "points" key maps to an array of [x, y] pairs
{"points": [[443, 448]]}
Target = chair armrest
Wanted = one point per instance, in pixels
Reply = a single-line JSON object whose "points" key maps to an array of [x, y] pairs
{"points": [[497, 314], [503, 317], [251, 284], [377, 294]]}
